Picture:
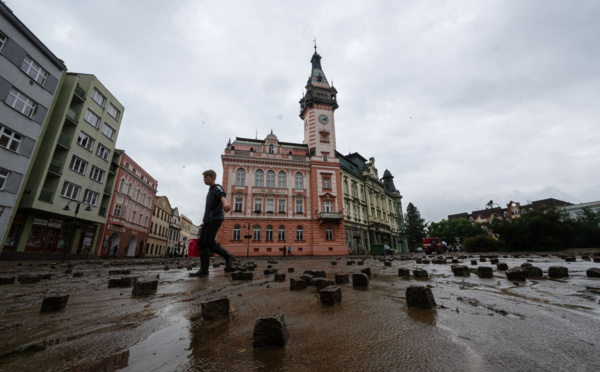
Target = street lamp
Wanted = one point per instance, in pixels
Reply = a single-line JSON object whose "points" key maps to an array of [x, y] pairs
{"points": [[66, 208], [248, 236]]}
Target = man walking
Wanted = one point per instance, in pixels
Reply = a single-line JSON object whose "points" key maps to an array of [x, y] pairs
{"points": [[216, 204]]}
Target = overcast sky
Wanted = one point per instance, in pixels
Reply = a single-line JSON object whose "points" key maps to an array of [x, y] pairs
{"points": [[463, 101]]}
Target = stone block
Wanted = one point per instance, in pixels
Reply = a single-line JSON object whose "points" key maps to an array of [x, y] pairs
{"points": [[78, 274], [482, 259], [360, 263], [69, 271], [420, 274], [348, 263], [420, 297], [307, 278], [216, 309], [494, 261], [596, 259], [119, 272], [290, 269], [320, 274], [366, 271], [321, 283], [28, 279], [426, 262], [586, 258], [296, 284], [246, 276], [525, 264], [54, 303], [333, 263], [473, 262], [7, 280], [594, 272], [121, 282], [454, 261], [570, 259], [532, 272], [342, 279], [280, 277], [270, 330], [461, 270], [360, 280], [516, 273], [387, 263], [236, 275], [403, 272], [189, 268], [216, 265], [419, 260], [502, 266], [485, 272], [144, 288], [558, 272], [331, 295], [267, 272], [46, 276]]}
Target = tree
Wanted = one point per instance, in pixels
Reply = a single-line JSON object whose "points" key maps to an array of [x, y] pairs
{"points": [[415, 226], [586, 230], [459, 228]]}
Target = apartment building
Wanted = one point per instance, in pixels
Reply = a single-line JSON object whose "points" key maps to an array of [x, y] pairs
{"points": [[159, 227]]}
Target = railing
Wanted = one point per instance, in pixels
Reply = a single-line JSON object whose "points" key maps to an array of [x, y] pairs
{"points": [[64, 140], [55, 167], [46, 195], [330, 215], [80, 92], [72, 115]]}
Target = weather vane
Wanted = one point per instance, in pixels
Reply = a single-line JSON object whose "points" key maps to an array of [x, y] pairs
{"points": [[315, 41]]}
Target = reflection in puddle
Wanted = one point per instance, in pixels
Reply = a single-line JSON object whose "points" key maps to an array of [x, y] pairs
{"points": [[424, 316]]}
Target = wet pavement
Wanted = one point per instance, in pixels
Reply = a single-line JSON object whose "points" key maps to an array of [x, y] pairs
{"points": [[479, 324]]}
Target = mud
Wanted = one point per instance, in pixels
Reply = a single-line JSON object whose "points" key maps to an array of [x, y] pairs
{"points": [[479, 324]]}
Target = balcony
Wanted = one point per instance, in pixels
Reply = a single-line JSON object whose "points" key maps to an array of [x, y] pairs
{"points": [[64, 141], [108, 191], [113, 169], [102, 212], [72, 117], [55, 167], [46, 195], [331, 216], [80, 93]]}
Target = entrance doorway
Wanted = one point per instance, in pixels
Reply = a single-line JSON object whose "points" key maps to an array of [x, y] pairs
{"points": [[132, 247], [115, 239]]}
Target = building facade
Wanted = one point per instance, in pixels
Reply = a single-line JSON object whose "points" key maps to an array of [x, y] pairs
{"points": [[186, 233], [372, 207], [576, 210], [125, 233], [30, 76], [174, 235], [73, 176], [159, 227], [288, 194]]}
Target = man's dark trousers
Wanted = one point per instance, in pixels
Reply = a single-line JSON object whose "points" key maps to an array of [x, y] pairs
{"points": [[208, 244]]}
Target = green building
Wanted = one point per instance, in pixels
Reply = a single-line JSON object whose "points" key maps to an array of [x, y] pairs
{"points": [[372, 207], [73, 175]]}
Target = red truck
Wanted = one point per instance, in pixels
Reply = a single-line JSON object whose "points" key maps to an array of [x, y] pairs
{"points": [[431, 245]]}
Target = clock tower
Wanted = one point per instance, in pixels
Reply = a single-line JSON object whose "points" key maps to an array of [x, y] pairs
{"points": [[317, 108]]}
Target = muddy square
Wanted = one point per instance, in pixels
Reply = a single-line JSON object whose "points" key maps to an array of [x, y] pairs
{"points": [[532, 323]]}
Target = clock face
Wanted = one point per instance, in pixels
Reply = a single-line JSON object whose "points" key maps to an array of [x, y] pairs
{"points": [[323, 119]]}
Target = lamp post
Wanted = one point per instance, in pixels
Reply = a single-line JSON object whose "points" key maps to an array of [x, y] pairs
{"points": [[66, 208], [248, 236]]}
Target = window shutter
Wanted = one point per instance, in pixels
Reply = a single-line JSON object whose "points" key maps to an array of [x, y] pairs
{"points": [[4, 89], [14, 53], [26, 147], [51, 84], [40, 114], [13, 182]]}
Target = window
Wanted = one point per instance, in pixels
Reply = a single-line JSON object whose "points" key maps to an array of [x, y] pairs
{"points": [[108, 131], [113, 111], [258, 178], [70, 190], [269, 233], [85, 141], [103, 152], [281, 205], [326, 183], [90, 197], [35, 71], [345, 186], [270, 205], [299, 181], [271, 149], [324, 157], [117, 212], [97, 174], [92, 118], [122, 186], [238, 205], [2, 41], [130, 190], [298, 205], [281, 233], [257, 204], [133, 216], [21, 103], [299, 233], [98, 98], [240, 178], [281, 180], [3, 176], [10, 139], [270, 179], [329, 233], [237, 232], [256, 233], [328, 206], [78, 165]]}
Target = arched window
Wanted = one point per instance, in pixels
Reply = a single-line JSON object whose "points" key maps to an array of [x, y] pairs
{"points": [[281, 180], [299, 233], [271, 149], [269, 233], [329, 233], [130, 190], [122, 185], [237, 232], [240, 179], [258, 178], [270, 179], [256, 232], [281, 233], [299, 183]]}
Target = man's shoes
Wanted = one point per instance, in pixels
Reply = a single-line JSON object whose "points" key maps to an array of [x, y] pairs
{"points": [[200, 273], [229, 261]]}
